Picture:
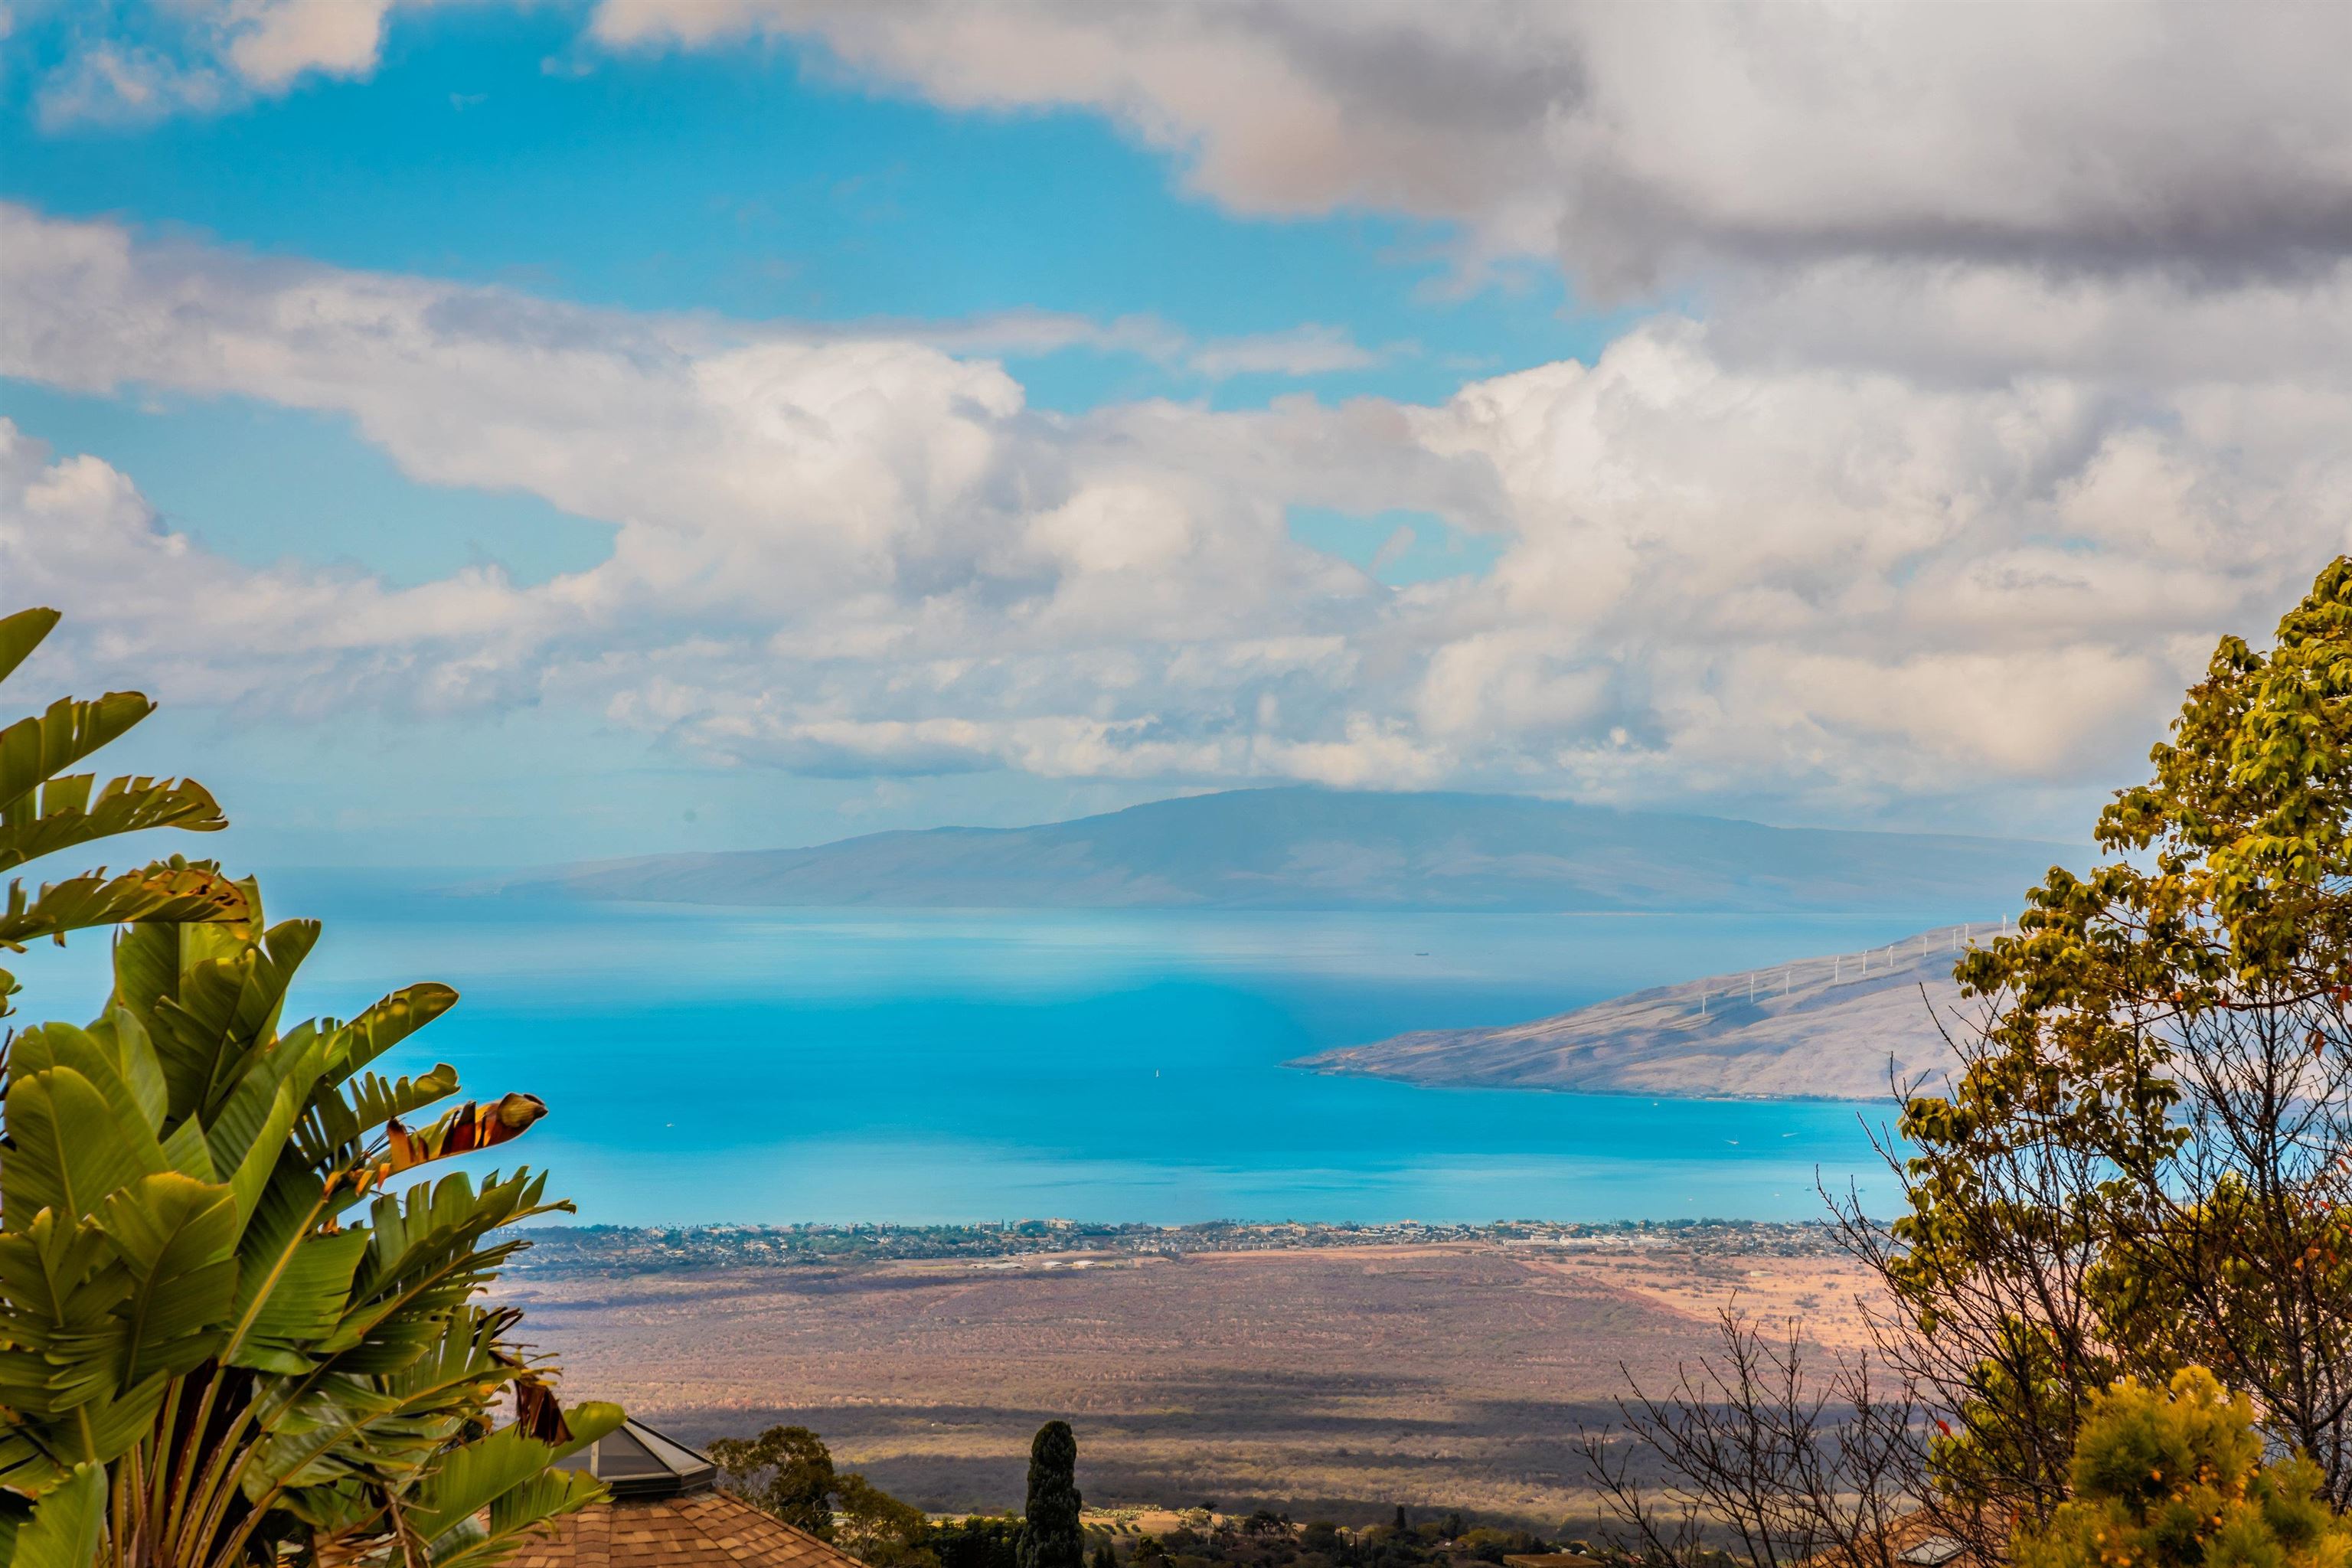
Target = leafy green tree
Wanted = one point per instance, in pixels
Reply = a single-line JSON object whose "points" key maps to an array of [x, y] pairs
{"points": [[789, 1472], [786, 1471], [981, 1541], [224, 1336], [1053, 1538], [1104, 1557], [44, 809], [2176, 1479], [2141, 1167], [877, 1529]]}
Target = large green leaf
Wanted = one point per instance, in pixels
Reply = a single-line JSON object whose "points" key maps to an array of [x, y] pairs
{"points": [[59, 1285], [298, 1301], [162, 892], [20, 634], [66, 1526], [36, 749], [333, 1133], [472, 1476], [61, 1045], [178, 1239], [223, 1018], [61, 815], [385, 1024], [72, 1150]]}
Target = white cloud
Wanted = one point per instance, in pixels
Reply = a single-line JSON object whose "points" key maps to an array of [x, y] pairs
{"points": [[202, 56], [1629, 140], [1300, 352], [1726, 572]]}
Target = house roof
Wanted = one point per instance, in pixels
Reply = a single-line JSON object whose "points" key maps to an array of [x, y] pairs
{"points": [[665, 1513], [635, 1461], [709, 1527]]}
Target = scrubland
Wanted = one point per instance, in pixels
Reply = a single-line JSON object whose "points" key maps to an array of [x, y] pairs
{"points": [[1338, 1382]]}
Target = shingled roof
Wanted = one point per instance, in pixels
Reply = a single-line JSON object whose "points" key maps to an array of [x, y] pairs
{"points": [[665, 1512]]}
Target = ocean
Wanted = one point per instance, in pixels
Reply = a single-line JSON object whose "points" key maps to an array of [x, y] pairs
{"points": [[759, 1066]]}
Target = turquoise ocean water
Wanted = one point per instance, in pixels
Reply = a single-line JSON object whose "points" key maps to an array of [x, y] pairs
{"points": [[773, 1065]]}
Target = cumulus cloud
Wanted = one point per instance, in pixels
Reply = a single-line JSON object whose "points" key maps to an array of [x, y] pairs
{"points": [[197, 56], [1839, 579], [2214, 142]]}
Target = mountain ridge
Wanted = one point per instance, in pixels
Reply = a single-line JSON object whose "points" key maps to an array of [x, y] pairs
{"points": [[1846, 1026], [1307, 848]]}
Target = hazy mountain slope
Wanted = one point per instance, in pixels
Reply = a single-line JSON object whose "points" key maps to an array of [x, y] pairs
{"points": [[1328, 849], [1819, 1028]]}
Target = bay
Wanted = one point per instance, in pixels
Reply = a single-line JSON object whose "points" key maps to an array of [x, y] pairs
{"points": [[726, 1065]]}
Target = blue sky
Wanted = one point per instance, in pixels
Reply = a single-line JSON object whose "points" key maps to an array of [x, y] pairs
{"points": [[601, 430]]}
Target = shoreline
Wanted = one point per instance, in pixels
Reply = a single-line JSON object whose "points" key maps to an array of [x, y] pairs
{"points": [[618, 1251]]}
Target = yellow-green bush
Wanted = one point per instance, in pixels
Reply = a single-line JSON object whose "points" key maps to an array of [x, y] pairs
{"points": [[2175, 1478]]}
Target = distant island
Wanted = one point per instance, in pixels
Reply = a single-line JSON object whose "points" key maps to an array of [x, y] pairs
{"points": [[1319, 850], [1842, 1027]]}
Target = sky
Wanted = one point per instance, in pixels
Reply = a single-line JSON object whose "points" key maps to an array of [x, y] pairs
{"points": [[505, 433]]}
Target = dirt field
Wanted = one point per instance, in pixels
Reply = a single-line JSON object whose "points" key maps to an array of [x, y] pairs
{"points": [[1340, 1381]]}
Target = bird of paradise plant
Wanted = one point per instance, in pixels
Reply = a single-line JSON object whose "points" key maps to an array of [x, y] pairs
{"points": [[229, 1334], [44, 809]]}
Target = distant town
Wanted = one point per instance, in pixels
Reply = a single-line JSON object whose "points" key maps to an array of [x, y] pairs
{"points": [[629, 1250]]}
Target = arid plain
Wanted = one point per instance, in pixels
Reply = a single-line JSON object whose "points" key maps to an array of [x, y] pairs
{"points": [[1333, 1380]]}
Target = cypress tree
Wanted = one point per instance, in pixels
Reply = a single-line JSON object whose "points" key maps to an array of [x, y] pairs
{"points": [[1053, 1539]]}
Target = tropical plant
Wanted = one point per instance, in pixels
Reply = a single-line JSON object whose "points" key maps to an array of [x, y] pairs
{"points": [[2176, 1479], [1053, 1538], [44, 810], [224, 1338]]}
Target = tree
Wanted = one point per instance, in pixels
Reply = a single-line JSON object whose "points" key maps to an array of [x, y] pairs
{"points": [[1053, 1538], [1790, 1465], [223, 1337], [2139, 1168], [44, 810], [786, 1471], [2176, 1479], [1104, 1557], [981, 1541], [789, 1472], [877, 1529]]}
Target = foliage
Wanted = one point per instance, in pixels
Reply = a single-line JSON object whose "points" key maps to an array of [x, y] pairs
{"points": [[224, 1336], [981, 1541], [2176, 1480], [2141, 1168], [1268, 1540], [44, 810], [877, 1529], [1053, 1538], [786, 1471], [789, 1472]]}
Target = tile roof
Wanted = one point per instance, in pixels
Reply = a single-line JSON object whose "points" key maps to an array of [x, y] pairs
{"points": [[705, 1527]]}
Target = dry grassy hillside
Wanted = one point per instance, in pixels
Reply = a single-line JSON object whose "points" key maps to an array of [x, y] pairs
{"points": [[1831, 1028]]}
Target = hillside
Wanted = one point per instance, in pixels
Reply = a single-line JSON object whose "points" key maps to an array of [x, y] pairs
{"points": [[1822, 1028], [1330, 849]]}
